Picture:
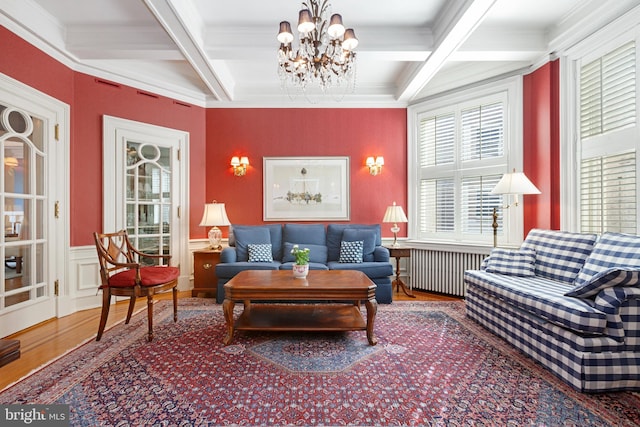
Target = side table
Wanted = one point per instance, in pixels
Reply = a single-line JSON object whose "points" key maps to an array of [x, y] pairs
{"points": [[204, 272], [397, 253]]}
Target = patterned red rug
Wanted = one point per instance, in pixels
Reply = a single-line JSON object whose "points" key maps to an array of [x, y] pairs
{"points": [[432, 366]]}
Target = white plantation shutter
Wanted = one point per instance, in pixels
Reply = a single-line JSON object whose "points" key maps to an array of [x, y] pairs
{"points": [[461, 157], [608, 194], [437, 205], [482, 132], [607, 89], [436, 140], [477, 204], [609, 142]]}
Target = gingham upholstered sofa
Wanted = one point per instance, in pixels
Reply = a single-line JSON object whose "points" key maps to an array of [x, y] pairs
{"points": [[570, 301]]}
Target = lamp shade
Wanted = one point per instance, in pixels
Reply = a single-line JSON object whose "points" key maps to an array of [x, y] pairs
{"points": [[394, 214], [515, 183], [214, 214]]}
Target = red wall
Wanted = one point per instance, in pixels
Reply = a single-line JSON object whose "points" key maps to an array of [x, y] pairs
{"points": [[94, 98], [541, 151], [89, 101], [23, 62], [357, 133], [218, 134]]}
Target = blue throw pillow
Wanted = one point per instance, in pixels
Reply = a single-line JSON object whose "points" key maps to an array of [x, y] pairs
{"points": [[609, 278], [260, 252], [511, 262], [245, 236], [368, 238], [317, 253], [351, 252]]}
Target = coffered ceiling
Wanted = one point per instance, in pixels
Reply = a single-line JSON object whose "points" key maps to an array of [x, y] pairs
{"points": [[223, 53]]}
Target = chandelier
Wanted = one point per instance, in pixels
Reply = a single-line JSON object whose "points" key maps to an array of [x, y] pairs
{"points": [[325, 56]]}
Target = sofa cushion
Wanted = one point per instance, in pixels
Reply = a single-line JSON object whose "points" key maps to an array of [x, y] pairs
{"points": [[312, 266], [228, 270], [612, 250], [260, 252], [609, 278], [559, 254], [317, 253], [249, 235], [334, 237], [275, 233], [512, 263], [543, 297], [351, 252], [373, 270], [368, 237], [305, 234]]}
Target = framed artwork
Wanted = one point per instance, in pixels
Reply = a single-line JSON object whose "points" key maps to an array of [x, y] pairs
{"points": [[306, 188]]}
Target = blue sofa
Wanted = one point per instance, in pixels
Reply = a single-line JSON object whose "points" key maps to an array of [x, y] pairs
{"points": [[570, 301], [324, 244]]}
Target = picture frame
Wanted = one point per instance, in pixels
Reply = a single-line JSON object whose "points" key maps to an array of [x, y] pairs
{"points": [[306, 188]]}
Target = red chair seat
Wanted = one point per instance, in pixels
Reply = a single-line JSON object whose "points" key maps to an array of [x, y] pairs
{"points": [[149, 276]]}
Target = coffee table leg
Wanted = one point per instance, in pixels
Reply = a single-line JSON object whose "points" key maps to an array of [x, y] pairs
{"points": [[227, 307], [372, 309]]}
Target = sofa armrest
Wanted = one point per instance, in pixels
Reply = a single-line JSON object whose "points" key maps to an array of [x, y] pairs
{"points": [[620, 304], [228, 254], [381, 254], [610, 300]]}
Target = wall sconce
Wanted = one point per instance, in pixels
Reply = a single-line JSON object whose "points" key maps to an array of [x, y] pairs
{"points": [[239, 165], [375, 166]]}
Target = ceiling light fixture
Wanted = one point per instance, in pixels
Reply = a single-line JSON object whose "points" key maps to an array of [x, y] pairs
{"points": [[325, 56]]}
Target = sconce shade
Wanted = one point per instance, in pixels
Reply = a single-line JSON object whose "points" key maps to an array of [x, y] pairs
{"points": [[515, 183], [375, 165], [350, 41], [239, 165], [394, 214]]}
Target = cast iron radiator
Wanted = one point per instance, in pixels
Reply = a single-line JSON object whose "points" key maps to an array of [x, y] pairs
{"points": [[442, 271]]}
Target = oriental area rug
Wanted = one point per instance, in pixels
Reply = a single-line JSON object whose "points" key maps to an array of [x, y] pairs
{"points": [[431, 367]]}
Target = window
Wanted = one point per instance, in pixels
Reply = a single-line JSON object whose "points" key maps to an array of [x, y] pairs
{"points": [[608, 138], [461, 148]]}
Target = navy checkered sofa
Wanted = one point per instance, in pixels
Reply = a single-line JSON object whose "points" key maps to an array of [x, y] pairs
{"points": [[570, 301]]}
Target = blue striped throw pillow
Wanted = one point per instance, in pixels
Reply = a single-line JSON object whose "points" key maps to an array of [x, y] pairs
{"points": [[512, 262]]}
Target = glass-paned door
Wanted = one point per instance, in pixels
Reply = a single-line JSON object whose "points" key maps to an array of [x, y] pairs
{"points": [[148, 199], [23, 200], [145, 188]]}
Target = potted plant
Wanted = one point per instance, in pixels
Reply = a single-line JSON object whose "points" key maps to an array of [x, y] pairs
{"points": [[301, 266]]}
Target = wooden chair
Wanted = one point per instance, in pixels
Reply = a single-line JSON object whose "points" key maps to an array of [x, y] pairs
{"points": [[123, 274]]}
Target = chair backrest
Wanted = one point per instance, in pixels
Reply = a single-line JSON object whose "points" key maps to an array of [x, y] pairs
{"points": [[114, 250]]}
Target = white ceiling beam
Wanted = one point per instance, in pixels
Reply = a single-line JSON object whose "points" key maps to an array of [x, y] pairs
{"points": [[180, 20], [453, 27]]}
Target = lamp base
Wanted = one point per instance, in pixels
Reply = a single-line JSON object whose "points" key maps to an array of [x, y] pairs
{"points": [[215, 238], [395, 230]]}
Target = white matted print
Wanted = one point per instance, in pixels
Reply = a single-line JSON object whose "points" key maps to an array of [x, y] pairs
{"points": [[306, 188]]}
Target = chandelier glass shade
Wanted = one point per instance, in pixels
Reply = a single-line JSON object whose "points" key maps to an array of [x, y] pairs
{"points": [[325, 56]]}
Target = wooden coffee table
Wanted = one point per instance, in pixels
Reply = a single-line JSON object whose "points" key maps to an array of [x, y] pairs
{"points": [[292, 307]]}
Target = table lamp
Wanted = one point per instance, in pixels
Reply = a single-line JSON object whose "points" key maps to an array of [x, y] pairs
{"points": [[214, 215], [395, 214], [511, 183]]}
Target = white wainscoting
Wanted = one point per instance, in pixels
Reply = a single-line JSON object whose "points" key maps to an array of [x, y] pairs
{"points": [[82, 291]]}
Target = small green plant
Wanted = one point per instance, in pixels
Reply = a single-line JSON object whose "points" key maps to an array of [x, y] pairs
{"points": [[301, 255]]}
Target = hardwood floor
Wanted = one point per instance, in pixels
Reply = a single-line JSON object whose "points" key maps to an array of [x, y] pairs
{"points": [[47, 341]]}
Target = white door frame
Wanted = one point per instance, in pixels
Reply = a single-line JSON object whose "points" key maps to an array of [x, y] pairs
{"points": [[116, 133], [56, 115]]}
